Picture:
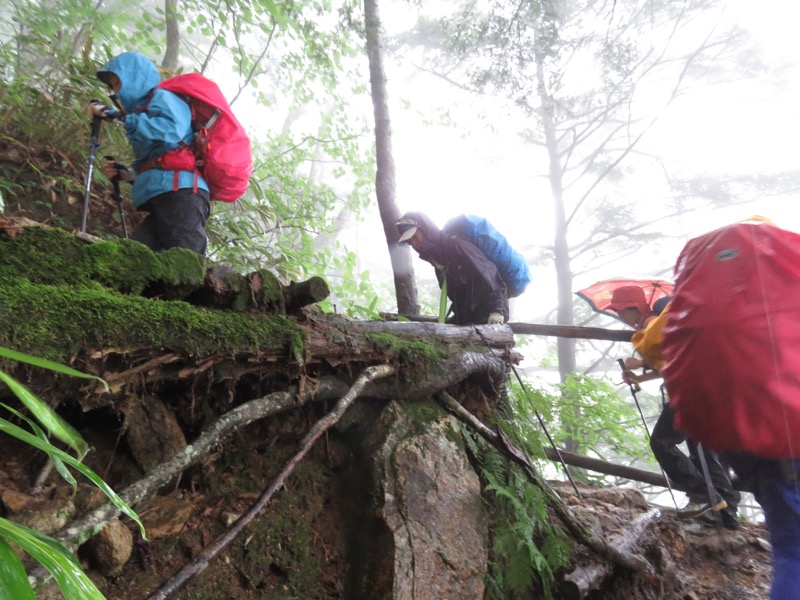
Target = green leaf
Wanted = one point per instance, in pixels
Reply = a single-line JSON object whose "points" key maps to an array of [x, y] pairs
{"points": [[13, 578], [32, 440], [63, 566], [47, 416], [47, 364], [57, 462]]}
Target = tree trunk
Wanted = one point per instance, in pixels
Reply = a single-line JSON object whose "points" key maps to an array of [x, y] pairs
{"points": [[172, 52], [405, 286]]}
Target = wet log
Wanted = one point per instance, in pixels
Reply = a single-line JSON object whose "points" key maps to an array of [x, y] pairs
{"points": [[259, 290], [372, 340], [225, 288], [566, 331], [609, 468], [300, 294], [590, 574]]}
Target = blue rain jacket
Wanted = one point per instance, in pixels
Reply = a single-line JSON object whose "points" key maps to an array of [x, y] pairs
{"points": [[154, 124]]}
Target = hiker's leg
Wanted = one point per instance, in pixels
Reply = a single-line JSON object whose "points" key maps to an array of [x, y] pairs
{"points": [[146, 234], [180, 219], [718, 472], [778, 493], [664, 441]]}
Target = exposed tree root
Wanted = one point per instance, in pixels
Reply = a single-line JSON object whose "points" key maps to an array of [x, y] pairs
{"points": [[576, 529]]}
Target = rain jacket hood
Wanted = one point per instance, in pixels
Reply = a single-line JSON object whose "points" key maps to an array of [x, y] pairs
{"points": [[138, 75], [431, 250]]}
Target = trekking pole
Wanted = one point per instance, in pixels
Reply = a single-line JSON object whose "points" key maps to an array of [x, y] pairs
{"points": [[94, 144], [550, 439], [634, 387], [118, 197], [712, 497]]}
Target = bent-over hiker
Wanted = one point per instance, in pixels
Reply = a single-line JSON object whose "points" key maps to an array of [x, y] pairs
{"points": [[472, 281]]}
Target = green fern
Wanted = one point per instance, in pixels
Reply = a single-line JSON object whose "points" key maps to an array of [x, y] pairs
{"points": [[526, 547]]}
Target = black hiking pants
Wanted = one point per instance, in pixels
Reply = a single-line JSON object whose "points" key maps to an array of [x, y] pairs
{"points": [[175, 220], [687, 471]]}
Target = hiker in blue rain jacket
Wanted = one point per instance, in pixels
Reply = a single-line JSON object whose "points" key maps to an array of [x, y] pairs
{"points": [[158, 125], [474, 286]]}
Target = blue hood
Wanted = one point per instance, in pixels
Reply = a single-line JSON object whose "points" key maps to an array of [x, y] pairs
{"points": [[138, 75]]}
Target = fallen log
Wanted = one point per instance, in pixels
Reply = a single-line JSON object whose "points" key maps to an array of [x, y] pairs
{"points": [[565, 331], [568, 331], [590, 574], [608, 468], [303, 293]]}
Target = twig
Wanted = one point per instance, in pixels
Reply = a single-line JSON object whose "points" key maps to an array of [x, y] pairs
{"points": [[200, 562], [578, 531]]}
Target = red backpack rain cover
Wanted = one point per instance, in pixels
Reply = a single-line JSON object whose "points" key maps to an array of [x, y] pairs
{"points": [[222, 151], [732, 340]]}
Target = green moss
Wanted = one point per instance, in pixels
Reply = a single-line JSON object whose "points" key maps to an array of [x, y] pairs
{"points": [[55, 257], [180, 266], [42, 255], [126, 266], [407, 351], [60, 295], [56, 322]]}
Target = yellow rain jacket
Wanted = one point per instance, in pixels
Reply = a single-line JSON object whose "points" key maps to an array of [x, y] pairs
{"points": [[648, 341]]}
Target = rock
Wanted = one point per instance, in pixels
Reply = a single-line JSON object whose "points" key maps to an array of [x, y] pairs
{"points": [[110, 549], [428, 536], [153, 433], [164, 516], [49, 516], [16, 502], [763, 544]]}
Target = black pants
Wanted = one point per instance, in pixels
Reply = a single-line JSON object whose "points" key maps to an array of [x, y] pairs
{"points": [[175, 220], [687, 471]]}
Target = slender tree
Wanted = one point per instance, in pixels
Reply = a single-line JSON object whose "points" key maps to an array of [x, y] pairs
{"points": [[405, 286]]}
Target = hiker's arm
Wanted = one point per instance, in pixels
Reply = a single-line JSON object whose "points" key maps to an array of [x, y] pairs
{"points": [[162, 127], [649, 376]]}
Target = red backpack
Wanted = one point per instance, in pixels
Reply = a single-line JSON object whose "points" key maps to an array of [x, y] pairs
{"points": [[221, 150], [732, 340]]}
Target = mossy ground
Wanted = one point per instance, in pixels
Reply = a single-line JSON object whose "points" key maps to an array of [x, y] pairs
{"points": [[60, 296]]}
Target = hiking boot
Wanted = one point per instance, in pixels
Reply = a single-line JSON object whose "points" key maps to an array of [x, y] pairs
{"points": [[727, 519], [698, 509]]}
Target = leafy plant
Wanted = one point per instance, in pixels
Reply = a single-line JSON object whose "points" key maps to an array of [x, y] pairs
{"points": [[527, 548], [56, 558], [581, 408]]}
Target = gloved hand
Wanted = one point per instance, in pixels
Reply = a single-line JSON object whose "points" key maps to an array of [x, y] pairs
{"points": [[104, 111], [495, 318], [632, 363], [116, 169]]}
